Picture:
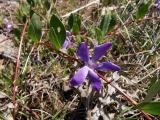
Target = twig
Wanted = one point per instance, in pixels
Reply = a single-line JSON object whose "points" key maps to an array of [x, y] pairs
{"points": [[149, 74], [137, 53], [62, 54], [76, 10], [17, 67], [42, 112], [4, 40]]}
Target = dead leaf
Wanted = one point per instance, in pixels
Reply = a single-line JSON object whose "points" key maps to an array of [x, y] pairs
{"points": [[3, 95], [7, 48]]}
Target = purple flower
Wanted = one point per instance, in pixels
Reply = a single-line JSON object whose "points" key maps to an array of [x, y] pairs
{"points": [[67, 43], [8, 25], [158, 4], [90, 67]]}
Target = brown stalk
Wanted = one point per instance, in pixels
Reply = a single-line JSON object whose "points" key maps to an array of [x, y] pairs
{"points": [[17, 67]]}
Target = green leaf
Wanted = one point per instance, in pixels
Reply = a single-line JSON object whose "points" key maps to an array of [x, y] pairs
{"points": [[74, 23], [106, 19], [2, 117], [130, 8], [113, 22], [142, 9], [150, 107], [17, 32], [70, 21], [31, 13], [98, 33], [153, 90], [108, 22], [34, 29], [31, 2], [46, 4], [7, 79], [57, 33]]}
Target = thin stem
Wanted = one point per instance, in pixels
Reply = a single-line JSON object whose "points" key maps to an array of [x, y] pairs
{"points": [[74, 11], [62, 54], [17, 67]]}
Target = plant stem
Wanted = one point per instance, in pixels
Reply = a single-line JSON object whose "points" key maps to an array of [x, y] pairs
{"points": [[17, 68]]}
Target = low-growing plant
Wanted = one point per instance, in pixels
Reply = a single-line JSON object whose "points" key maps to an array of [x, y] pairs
{"points": [[128, 26]]}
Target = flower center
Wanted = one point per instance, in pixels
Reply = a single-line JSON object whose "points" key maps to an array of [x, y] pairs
{"points": [[91, 64]]}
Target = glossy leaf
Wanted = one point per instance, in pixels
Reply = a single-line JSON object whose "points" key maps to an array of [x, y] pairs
{"points": [[34, 29], [150, 107], [74, 23], [77, 23], [57, 33], [70, 21]]}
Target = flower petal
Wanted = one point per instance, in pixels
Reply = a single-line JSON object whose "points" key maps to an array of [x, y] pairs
{"points": [[8, 25], [101, 50], [83, 52], [95, 80], [80, 76], [107, 66], [68, 34], [65, 44]]}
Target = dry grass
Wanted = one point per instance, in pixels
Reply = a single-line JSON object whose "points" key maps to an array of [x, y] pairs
{"points": [[43, 91]]}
